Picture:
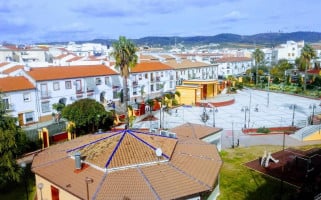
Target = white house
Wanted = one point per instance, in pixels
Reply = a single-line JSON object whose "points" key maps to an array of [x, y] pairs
{"points": [[289, 51], [68, 84], [151, 79], [19, 96], [233, 65]]}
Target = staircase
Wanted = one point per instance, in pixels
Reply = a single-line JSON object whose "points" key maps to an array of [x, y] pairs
{"points": [[306, 131]]}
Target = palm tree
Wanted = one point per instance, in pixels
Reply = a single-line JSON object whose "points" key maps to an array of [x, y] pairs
{"points": [[307, 53], [125, 55], [258, 56]]}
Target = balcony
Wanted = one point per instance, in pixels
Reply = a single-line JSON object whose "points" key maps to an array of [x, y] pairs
{"points": [[45, 95]]}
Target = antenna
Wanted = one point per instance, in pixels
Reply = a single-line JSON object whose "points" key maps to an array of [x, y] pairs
{"points": [[158, 152]]}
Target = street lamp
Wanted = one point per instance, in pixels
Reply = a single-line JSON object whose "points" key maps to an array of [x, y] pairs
{"points": [[88, 180], [293, 108], [23, 165], [245, 109], [214, 110], [312, 106], [40, 186]]}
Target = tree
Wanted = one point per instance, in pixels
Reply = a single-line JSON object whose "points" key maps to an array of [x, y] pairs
{"points": [[126, 58], [258, 56], [88, 116], [307, 53], [12, 144]]}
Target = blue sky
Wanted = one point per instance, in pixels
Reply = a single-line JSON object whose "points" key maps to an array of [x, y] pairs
{"points": [[24, 21]]}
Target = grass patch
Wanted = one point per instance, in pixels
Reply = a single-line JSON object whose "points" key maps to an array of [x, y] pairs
{"points": [[239, 182]]}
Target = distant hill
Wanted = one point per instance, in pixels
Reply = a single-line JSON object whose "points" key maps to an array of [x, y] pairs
{"points": [[266, 39]]}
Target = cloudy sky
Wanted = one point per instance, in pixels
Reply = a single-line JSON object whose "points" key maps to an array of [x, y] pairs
{"points": [[24, 21]]}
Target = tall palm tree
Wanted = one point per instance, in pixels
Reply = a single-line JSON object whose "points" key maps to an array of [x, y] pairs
{"points": [[125, 55], [258, 56], [307, 54]]}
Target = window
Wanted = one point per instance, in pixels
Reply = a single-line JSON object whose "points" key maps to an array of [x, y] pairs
{"points": [[6, 103], [107, 81], [56, 86], [98, 81], [146, 76], [26, 97], [68, 84], [78, 86], [152, 88], [45, 107], [44, 90], [29, 116]]}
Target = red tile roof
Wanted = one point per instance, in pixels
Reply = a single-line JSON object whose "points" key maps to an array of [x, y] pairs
{"points": [[12, 69], [124, 165], [233, 59], [67, 72], [17, 83], [150, 66], [74, 59], [3, 64]]}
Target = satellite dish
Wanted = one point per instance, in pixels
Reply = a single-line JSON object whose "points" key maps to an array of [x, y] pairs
{"points": [[159, 152]]}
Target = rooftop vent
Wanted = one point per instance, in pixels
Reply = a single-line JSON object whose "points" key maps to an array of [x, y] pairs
{"points": [[78, 160]]}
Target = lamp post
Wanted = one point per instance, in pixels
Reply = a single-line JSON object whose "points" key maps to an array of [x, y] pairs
{"points": [[245, 109], [312, 106], [40, 186], [23, 165], [214, 110], [88, 180], [293, 108]]}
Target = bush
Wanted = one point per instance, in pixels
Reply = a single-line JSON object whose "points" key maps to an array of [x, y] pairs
{"points": [[263, 130]]}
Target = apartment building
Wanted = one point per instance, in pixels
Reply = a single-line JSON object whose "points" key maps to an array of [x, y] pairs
{"points": [[288, 51], [150, 80], [233, 65], [23, 54]]}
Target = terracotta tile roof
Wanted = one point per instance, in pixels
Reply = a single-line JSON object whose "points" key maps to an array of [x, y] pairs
{"points": [[74, 59], [3, 64], [184, 63], [150, 66], [61, 56], [12, 69], [66, 72], [196, 131], [16, 83], [147, 57], [167, 57], [233, 59], [187, 167]]}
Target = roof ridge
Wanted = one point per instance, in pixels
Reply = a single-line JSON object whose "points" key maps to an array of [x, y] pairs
{"points": [[146, 143], [148, 183], [115, 149]]}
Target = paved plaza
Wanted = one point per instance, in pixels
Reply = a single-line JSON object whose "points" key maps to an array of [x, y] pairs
{"points": [[273, 110]]}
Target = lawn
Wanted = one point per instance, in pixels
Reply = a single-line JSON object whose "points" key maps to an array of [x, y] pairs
{"points": [[239, 182]]}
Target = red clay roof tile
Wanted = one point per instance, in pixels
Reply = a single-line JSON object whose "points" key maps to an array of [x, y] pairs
{"points": [[150, 66], [17, 83], [67, 72]]}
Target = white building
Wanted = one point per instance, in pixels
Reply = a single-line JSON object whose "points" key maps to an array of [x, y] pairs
{"points": [[288, 51], [19, 96], [233, 65]]}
